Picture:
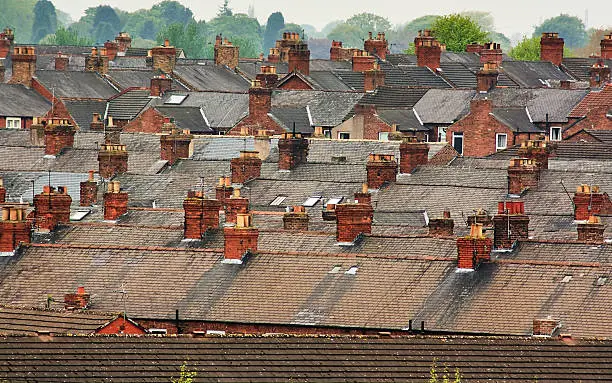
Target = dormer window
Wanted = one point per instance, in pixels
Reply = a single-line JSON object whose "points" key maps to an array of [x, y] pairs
{"points": [[555, 133]]}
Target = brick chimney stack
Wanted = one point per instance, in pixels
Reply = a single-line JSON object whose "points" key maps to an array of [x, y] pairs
{"points": [[59, 135], [381, 169], [523, 174], [412, 154], [427, 50], [260, 100], [89, 191], [6, 41], [299, 59], [97, 61], [589, 200], [296, 219], [176, 145], [246, 167], [113, 156], [353, 219], [24, 65], [51, 208], [2, 71], [61, 62], [240, 239], [551, 48], [606, 47], [599, 74], [115, 202], [511, 224], [164, 57], [442, 227], [486, 78], [112, 48], [474, 248], [125, 42], [536, 150], [224, 190], [545, 327], [80, 300], [268, 78], [373, 78], [14, 229], [362, 61], [235, 205], [292, 151], [201, 214], [491, 53], [591, 231], [226, 53], [364, 196], [378, 45], [2, 191], [274, 56], [160, 85], [96, 122], [474, 48]]}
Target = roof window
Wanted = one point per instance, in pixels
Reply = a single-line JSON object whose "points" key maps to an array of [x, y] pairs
{"points": [[176, 99]]}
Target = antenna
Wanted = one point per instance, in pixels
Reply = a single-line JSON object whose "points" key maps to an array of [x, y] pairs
{"points": [[568, 194], [123, 293]]}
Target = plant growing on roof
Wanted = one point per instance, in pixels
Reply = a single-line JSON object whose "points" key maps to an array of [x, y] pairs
{"points": [[446, 377], [186, 376]]}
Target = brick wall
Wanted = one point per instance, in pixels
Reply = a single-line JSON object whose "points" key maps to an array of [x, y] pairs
{"points": [[112, 160], [296, 220], [299, 59], [522, 174], [441, 227], [590, 201], [175, 146], [239, 240], [234, 206], [551, 48], [472, 251], [545, 326], [58, 137], [115, 205], [592, 233], [595, 119], [246, 167], [160, 85], [519, 229], [412, 154], [226, 54], [377, 46], [89, 192], [295, 83], [352, 220], [372, 79], [14, 229], [260, 103], [201, 214], [292, 151], [164, 58], [51, 207], [24, 65], [119, 326], [150, 121], [381, 169]]}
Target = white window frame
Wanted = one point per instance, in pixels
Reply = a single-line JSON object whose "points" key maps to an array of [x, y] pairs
{"points": [[383, 136], [498, 147], [555, 137], [13, 123], [442, 133], [342, 133], [457, 135]]}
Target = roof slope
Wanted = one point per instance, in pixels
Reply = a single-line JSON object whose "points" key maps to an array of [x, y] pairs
{"points": [[443, 106], [18, 101], [211, 77], [76, 84]]}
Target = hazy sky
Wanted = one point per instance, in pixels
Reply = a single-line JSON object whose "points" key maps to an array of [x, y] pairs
{"points": [[511, 16]]}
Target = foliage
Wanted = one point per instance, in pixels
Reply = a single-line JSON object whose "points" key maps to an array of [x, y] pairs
{"points": [[404, 37], [484, 19], [529, 50], [501, 39], [311, 31], [446, 377], [189, 37], [106, 24], [171, 12], [275, 23], [330, 27], [186, 376], [593, 45], [66, 36], [350, 35], [240, 26], [369, 22], [570, 28], [19, 16], [63, 18], [225, 10], [457, 31], [354, 30], [45, 20]]}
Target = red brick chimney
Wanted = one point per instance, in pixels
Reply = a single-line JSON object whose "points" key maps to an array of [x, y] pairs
{"points": [[545, 326], [511, 224], [240, 239], [59, 135], [335, 52], [353, 219], [551, 48], [267, 76], [115, 202], [362, 61], [474, 48], [2, 71], [274, 56], [6, 41], [246, 167], [201, 214], [599, 74], [160, 85], [96, 122], [378, 45], [588, 201], [412, 154], [112, 47], [523, 174], [474, 248], [226, 53], [381, 169], [536, 150], [442, 227], [224, 190], [97, 61], [235, 205], [364, 196], [125, 41], [24, 65], [491, 53], [292, 151], [427, 50], [606, 47], [51, 208], [373, 78], [2, 191], [486, 78], [80, 300], [299, 59], [89, 191], [176, 145], [112, 160], [61, 62], [296, 219], [591, 231], [260, 100], [14, 228], [164, 57]]}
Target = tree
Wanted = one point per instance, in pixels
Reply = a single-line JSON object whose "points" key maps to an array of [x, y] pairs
{"points": [[188, 37], [19, 16], [484, 19], [186, 376], [171, 12], [350, 35], [593, 45], [369, 22], [501, 39], [45, 20], [527, 50], [65, 36], [457, 31], [238, 26], [275, 23], [225, 10], [404, 38], [570, 28], [106, 24]]}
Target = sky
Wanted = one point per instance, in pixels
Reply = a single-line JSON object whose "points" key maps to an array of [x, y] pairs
{"points": [[511, 16]]}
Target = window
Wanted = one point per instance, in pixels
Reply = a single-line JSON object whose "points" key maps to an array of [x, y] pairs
{"points": [[335, 270], [278, 200], [458, 142], [352, 270], [383, 136], [501, 141], [334, 201], [327, 133], [158, 331], [441, 134], [555, 133], [310, 202], [426, 138], [344, 135], [176, 99], [13, 123]]}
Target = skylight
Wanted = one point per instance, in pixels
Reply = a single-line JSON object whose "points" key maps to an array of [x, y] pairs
{"points": [[601, 281], [78, 215], [278, 200], [352, 270], [335, 270], [334, 200], [310, 202], [176, 99], [566, 279]]}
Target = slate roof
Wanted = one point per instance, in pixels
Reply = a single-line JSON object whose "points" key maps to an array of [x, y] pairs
{"points": [[19, 101], [186, 117], [21, 321], [210, 77], [130, 78], [392, 97], [579, 66], [222, 110], [516, 119], [424, 77], [76, 84], [250, 68], [129, 104], [533, 74], [82, 111], [276, 358], [443, 106], [405, 119], [354, 80], [328, 80], [288, 118]]}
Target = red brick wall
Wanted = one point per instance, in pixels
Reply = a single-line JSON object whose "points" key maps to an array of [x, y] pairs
{"points": [[260, 103], [58, 138], [372, 79], [51, 208], [352, 220], [519, 229], [588, 204], [295, 221], [472, 251], [299, 60], [380, 172], [12, 233], [372, 125], [441, 227], [89, 193], [551, 49], [244, 169], [292, 152], [295, 83], [119, 326], [582, 136], [173, 147], [591, 232], [111, 163], [115, 205], [363, 63], [150, 121], [594, 120], [235, 206], [200, 215], [412, 155], [239, 240]]}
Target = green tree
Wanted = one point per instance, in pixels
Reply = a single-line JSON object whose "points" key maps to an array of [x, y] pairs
{"points": [[529, 50], [484, 19], [171, 12], [350, 35], [405, 35], [45, 20], [225, 10], [66, 36], [275, 23], [238, 26], [106, 24], [369, 22], [188, 37], [457, 31], [570, 28], [19, 16], [185, 376]]}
